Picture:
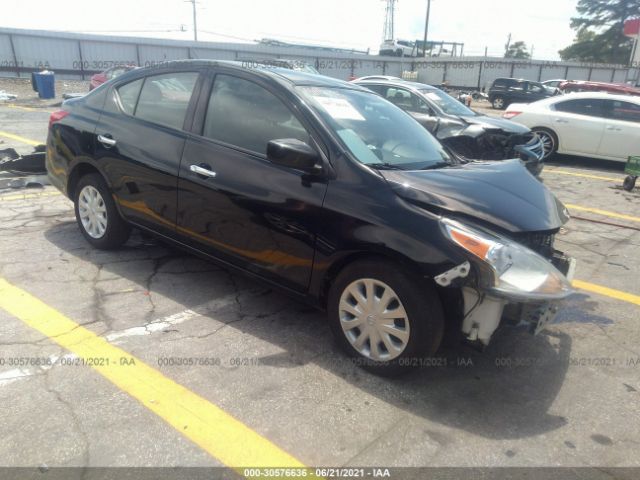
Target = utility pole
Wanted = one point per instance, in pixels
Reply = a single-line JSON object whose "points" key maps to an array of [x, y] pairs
{"points": [[426, 28], [195, 19], [506, 47]]}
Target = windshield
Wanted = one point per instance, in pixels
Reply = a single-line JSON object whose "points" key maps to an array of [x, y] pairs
{"points": [[447, 103], [374, 130]]}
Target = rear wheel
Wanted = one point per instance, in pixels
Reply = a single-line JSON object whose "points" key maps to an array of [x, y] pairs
{"points": [[549, 141], [97, 215], [386, 320], [499, 103]]}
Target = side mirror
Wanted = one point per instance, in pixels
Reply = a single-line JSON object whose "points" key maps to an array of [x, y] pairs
{"points": [[292, 153]]}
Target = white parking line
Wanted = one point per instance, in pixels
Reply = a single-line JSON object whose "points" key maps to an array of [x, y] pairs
{"points": [[171, 320]]}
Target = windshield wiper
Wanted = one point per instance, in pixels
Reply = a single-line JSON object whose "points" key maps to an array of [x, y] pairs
{"points": [[437, 165], [384, 166]]}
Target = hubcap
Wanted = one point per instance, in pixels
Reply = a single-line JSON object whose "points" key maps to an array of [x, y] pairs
{"points": [[93, 212], [547, 143], [498, 103], [374, 320]]}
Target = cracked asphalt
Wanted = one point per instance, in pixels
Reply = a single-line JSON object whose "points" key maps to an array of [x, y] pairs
{"points": [[568, 397]]}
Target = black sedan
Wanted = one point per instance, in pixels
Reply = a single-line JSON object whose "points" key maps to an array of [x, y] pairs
{"points": [[464, 131], [321, 188]]}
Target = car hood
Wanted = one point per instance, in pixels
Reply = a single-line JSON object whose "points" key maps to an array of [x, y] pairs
{"points": [[487, 122], [501, 193]]}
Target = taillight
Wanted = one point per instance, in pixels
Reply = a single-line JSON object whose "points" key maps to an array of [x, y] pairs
{"points": [[57, 116], [510, 115]]}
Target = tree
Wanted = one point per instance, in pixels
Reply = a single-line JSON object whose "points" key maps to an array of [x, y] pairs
{"points": [[517, 50], [599, 27]]}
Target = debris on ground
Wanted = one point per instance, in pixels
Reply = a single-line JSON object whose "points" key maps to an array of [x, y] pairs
{"points": [[23, 171], [7, 96], [33, 163]]}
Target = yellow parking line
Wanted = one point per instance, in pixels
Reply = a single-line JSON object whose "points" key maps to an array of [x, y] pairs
{"points": [[607, 292], [606, 213], [584, 175], [18, 138], [25, 196], [20, 107], [218, 433]]}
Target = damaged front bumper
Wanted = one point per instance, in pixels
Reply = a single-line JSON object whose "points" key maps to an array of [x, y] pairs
{"points": [[484, 311]]}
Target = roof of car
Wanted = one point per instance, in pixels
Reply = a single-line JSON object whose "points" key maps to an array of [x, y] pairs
{"points": [[399, 82], [597, 95], [282, 75]]}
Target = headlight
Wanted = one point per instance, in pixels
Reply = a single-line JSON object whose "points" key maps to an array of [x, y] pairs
{"points": [[511, 269]]}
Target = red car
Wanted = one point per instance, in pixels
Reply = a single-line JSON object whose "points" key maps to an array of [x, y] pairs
{"points": [[583, 86], [113, 72]]}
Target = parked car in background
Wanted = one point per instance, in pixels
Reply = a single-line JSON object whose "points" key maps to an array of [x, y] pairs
{"points": [[113, 72], [553, 83], [598, 125], [398, 48], [464, 131], [379, 77], [288, 63], [505, 91], [571, 86], [321, 188]]}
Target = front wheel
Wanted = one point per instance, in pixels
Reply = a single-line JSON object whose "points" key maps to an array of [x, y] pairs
{"points": [[386, 320], [97, 215]]}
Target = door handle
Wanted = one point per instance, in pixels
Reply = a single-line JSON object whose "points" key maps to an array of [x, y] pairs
{"points": [[614, 129], [106, 141], [205, 172], [561, 120]]}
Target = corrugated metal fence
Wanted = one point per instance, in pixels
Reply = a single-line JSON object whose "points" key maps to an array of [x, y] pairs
{"points": [[78, 56]]}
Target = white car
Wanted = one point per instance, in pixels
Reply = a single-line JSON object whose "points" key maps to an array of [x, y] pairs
{"points": [[598, 125], [553, 83], [398, 48]]}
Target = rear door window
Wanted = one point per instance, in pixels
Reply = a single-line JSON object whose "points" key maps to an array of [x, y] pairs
{"points": [[246, 115], [128, 95], [164, 99], [587, 107]]}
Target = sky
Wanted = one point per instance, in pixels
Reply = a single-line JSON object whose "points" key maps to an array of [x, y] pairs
{"points": [[543, 24]]}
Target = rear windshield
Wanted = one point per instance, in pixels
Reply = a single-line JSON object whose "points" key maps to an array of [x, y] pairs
{"points": [[447, 103]]}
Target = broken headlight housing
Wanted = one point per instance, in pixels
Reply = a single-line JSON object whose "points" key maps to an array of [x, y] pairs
{"points": [[508, 269]]}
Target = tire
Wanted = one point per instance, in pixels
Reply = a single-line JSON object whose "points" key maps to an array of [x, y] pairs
{"points": [[550, 141], [499, 103], [419, 327], [97, 215], [399, 53], [629, 183]]}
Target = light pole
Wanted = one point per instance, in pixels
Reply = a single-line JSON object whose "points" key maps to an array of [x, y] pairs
{"points": [[195, 20], [426, 28]]}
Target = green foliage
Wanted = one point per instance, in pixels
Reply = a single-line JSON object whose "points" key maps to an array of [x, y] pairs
{"points": [[517, 50], [599, 28]]}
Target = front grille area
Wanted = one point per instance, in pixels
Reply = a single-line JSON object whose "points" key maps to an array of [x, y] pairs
{"points": [[502, 146], [532, 149], [540, 242]]}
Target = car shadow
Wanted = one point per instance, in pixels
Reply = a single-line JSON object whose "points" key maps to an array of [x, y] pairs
{"points": [[587, 163], [504, 392]]}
